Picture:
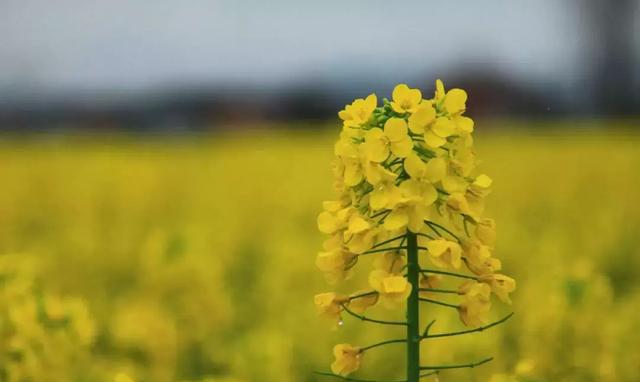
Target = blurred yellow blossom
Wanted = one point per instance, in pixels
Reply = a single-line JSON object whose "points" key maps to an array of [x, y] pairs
{"points": [[347, 359]]}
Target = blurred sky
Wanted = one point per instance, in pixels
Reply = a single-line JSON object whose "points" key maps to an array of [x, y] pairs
{"points": [[135, 43], [87, 45]]}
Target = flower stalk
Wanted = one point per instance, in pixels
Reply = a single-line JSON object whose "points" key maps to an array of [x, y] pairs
{"points": [[413, 310]]}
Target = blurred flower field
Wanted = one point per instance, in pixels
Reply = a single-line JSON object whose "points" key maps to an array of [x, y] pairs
{"points": [[192, 259]]}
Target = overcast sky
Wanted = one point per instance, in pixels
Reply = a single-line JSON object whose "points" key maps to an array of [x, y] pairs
{"points": [[133, 44]]}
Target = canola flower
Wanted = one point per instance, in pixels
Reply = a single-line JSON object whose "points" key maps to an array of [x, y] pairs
{"points": [[409, 195], [43, 335]]}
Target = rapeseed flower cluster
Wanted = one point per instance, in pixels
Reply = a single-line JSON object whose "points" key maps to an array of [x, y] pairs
{"points": [[43, 336], [408, 166]]}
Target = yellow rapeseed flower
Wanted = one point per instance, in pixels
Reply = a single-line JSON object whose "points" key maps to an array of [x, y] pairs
{"points": [[392, 287], [335, 264], [413, 206], [476, 303], [378, 143], [486, 231], [478, 258], [422, 119], [433, 171], [359, 112], [329, 305], [405, 99], [359, 302], [444, 253], [347, 359], [501, 285]]}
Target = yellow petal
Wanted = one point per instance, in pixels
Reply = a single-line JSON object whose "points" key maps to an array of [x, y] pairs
{"points": [[440, 93], [398, 108], [437, 247], [344, 115], [357, 224], [395, 129], [486, 231], [375, 279], [394, 196], [428, 193], [402, 148], [375, 146], [370, 103], [394, 284], [397, 219], [455, 101], [331, 205], [465, 124], [435, 170], [414, 166], [378, 199], [410, 189], [483, 181], [327, 223], [454, 184], [444, 127], [360, 304], [433, 140], [419, 120], [415, 96], [400, 92], [352, 174], [417, 216]]}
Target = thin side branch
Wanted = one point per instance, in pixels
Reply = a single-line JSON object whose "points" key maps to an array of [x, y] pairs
{"points": [[425, 235], [479, 329], [363, 318], [364, 294], [460, 275], [388, 241], [383, 250], [436, 290], [435, 231], [397, 341], [434, 225], [378, 214], [426, 330], [463, 366], [353, 379], [438, 302]]}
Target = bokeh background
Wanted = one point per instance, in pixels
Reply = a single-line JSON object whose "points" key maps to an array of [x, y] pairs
{"points": [[162, 165]]}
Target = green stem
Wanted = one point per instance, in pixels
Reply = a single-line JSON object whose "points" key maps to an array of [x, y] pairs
{"points": [[413, 312]]}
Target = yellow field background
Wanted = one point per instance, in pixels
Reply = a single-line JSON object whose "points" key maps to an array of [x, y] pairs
{"points": [[193, 258]]}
